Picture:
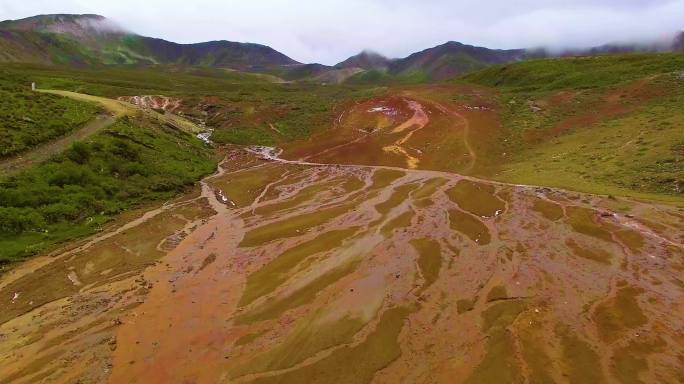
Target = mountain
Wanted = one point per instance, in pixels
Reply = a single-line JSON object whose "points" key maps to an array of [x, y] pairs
{"points": [[365, 60], [88, 39], [437, 63], [452, 59], [94, 39], [302, 71], [678, 44], [81, 26]]}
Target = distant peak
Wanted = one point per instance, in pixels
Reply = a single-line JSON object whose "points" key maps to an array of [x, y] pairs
{"points": [[366, 59], [678, 43], [369, 52], [73, 24]]}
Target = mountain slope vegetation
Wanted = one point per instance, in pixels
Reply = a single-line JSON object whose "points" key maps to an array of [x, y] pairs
{"points": [[452, 59], [137, 160], [604, 124], [75, 193], [93, 39], [30, 118]]}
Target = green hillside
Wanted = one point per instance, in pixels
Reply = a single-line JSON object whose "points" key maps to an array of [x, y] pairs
{"points": [[242, 104], [137, 160], [73, 194], [576, 72], [30, 118], [608, 124], [93, 39]]}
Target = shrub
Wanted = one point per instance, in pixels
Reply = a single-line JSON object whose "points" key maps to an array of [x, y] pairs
{"points": [[16, 220], [70, 174], [125, 149], [60, 212], [79, 152]]}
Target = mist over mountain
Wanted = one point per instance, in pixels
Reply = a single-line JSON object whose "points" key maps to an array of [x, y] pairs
{"points": [[73, 25], [678, 44], [90, 39], [94, 39], [365, 60]]}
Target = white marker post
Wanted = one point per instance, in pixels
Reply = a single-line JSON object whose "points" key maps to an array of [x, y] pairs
{"points": [[33, 86]]}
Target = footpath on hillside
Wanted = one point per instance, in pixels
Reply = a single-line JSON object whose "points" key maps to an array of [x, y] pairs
{"points": [[115, 109], [43, 152]]}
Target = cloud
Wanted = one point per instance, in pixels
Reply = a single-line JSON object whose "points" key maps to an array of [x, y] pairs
{"points": [[328, 31]]}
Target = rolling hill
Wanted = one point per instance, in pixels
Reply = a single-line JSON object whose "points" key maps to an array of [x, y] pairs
{"points": [[605, 124]]}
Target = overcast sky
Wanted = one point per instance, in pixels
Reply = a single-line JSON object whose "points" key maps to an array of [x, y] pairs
{"points": [[328, 31]]}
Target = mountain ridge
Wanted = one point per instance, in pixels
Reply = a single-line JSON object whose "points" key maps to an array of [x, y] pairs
{"points": [[91, 39], [94, 39]]}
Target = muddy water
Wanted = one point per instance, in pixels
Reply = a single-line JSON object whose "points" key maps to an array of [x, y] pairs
{"points": [[297, 272]]}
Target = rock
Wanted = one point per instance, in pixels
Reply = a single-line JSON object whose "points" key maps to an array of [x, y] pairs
{"points": [[112, 344]]}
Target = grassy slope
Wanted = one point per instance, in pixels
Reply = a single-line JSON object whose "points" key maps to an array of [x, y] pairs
{"points": [[244, 106], [71, 195], [137, 159], [609, 124], [29, 118], [576, 73], [379, 76], [30, 47]]}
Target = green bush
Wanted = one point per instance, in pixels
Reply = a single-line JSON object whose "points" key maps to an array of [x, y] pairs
{"points": [[132, 162], [79, 152], [16, 220], [54, 213]]}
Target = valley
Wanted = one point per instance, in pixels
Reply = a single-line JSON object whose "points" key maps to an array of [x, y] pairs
{"points": [[285, 270], [219, 213]]}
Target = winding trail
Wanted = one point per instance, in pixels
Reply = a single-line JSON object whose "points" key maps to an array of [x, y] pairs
{"points": [[466, 132], [121, 108], [115, 109], [463, 122], [45, 151]]}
